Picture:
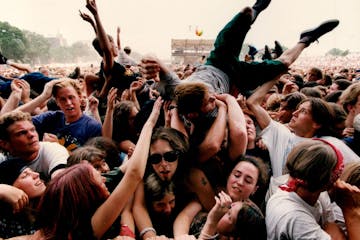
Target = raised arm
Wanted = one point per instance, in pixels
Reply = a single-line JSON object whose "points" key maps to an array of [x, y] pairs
{"points": [[254, 104], [118, 43], [104, 42], [237, 134], [39, 100], [184, 219], [88, 19], [211, 145], [141, 214], [107, 127], [107, 213]]}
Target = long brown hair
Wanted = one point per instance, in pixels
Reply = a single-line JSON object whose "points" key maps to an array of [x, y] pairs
{"points": [[69, 203]]}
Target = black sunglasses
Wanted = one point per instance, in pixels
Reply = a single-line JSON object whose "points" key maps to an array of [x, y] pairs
{"points": [[170, 156]]}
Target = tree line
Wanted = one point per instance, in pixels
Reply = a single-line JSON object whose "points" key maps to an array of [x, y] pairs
{"points": [[34, 48]]}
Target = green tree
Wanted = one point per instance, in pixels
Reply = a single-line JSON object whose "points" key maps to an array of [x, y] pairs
{"points": [[37, 48], [12, 41]]}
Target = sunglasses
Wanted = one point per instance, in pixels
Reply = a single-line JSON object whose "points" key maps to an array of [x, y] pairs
{"points": [[170, 156]]}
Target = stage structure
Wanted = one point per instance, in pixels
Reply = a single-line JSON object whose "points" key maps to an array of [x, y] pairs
{"points": [[190, 51]]}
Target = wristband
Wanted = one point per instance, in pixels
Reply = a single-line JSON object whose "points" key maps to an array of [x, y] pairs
{"points": [[145, 230]]}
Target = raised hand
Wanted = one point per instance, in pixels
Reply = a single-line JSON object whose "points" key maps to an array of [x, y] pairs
{"points": [[137, 85], [155, 111], [49, 137], [17, 198], [111, 98], [48, 88], [150, 68], [222, 206], [91, 5]]}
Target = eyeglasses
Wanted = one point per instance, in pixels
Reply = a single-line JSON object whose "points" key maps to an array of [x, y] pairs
{"points": [[170, 156]]}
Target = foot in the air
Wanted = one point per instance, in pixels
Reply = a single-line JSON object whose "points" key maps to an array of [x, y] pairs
{"points": [[259, 6], [3, 59], [312, 35], [278, 50], [267, 53]]}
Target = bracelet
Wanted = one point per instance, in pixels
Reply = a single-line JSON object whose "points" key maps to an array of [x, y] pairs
{"points": [[145, 230], [208, 236]]}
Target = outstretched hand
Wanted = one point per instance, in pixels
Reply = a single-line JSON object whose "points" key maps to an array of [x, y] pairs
{"points": [[91, 5], [150, 68], [222, 206], [347, 196], [155, 111], [48, 88], [86, 17]]}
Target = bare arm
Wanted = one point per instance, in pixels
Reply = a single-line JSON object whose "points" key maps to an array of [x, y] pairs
{"points": [[118, 38], [39, 100], [107, 213], [102, 36], [183, 220], [254, 104], [107, 127], [223, 202], [140, 213], [17, 198], [22, 67], [88, 19], [348, 199], [215, 136], [237, 136]]}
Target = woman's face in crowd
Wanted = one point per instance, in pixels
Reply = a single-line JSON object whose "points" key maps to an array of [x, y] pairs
{"points": [[101, 166], [227, 223], [250, 128], [165, 205], [242, 181], [30, 182], [100, 180], [164, 169]]}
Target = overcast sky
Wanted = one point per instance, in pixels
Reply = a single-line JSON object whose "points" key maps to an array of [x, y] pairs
{"points": [[149, 25]]}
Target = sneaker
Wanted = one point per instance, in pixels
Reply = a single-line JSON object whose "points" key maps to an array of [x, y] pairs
{"points": [[3, 59], [252, 51], [278, 50], [267, 53], [312, 35], [75, 74], [260, 5]]}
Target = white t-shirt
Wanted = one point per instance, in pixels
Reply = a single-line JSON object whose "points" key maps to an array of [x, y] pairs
{"points": [[280, 141], [51, 154], [289, 217]]}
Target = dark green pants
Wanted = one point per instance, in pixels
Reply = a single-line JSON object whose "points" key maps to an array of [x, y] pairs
{"points": [[225, 56]]}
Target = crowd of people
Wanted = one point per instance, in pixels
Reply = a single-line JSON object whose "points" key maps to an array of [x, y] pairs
{"points": [[229, 149]]}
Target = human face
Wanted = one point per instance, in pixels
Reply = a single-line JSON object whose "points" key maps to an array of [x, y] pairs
{"points": [[250, 128], [23, 140], [101, 166], [333, 87], [284, 115], [354, 109], [302, 122], [165, 205], [226, 224], [100, 180], [209, 103], [30, 182], [132, 116], [83, 101], [164, 169], [68, 101], [242, 181]]}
